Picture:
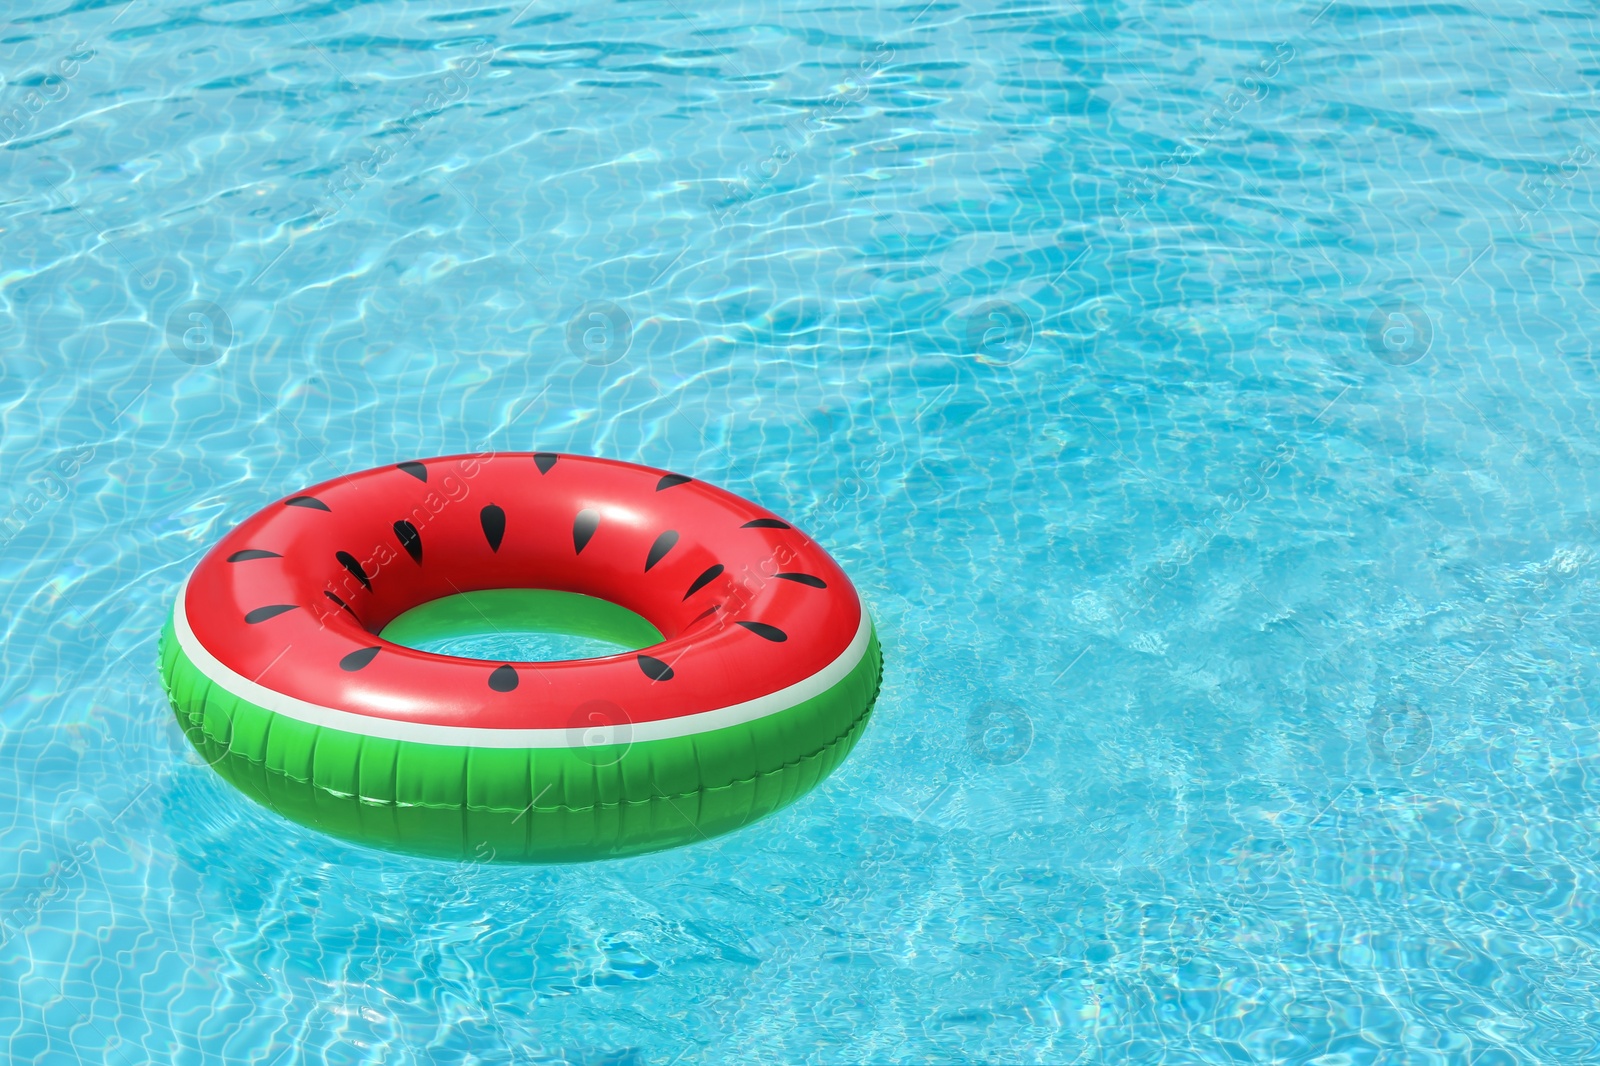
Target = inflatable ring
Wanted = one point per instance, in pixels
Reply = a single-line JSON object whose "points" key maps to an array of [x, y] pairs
{"points": [[288, 659]]}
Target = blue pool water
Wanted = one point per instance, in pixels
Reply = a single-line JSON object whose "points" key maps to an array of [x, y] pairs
{"points": [[1201, 396]]}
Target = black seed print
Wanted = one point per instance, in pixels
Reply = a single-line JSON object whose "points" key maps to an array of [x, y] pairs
{"points": [[409, 539], [583, 528], [703, 615], [766, 632], [504, 679], [261, 614], [661, 547], [765, 523], [357, 660], [252, 553], [493, 520], [703, 580], [349, 562], [342, 604], [544, 461], [307, 501], [804, 579], [655, 669], [672, 480], [415, 469]]}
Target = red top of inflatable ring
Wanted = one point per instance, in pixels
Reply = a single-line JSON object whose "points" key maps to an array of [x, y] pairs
{"points": [[294, 597]]}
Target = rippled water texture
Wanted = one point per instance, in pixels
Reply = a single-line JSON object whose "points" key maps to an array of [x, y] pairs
{"points": [[1200, 394]]}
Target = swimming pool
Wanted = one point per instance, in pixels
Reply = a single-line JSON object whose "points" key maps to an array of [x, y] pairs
{"points": [[1199, 395]]}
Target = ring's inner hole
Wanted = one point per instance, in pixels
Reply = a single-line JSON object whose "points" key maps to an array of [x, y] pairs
{"points": [[521, 626]]}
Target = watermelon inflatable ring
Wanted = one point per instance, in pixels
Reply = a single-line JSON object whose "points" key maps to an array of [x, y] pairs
{"points": [[750, 671]]}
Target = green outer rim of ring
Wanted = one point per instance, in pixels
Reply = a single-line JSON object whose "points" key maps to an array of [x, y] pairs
{"points": [[514, 804]]}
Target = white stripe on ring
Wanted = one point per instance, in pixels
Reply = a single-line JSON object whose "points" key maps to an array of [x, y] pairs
{"points": [[478, 737]]}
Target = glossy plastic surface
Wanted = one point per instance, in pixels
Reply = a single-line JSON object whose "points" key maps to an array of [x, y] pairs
{"points": [[294, 597]]}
